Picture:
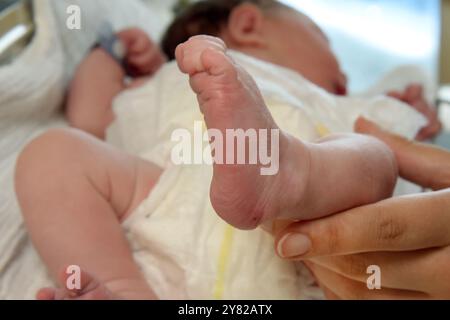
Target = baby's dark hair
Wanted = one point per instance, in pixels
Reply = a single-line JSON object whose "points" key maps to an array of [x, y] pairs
{"points": [[204, 17]]}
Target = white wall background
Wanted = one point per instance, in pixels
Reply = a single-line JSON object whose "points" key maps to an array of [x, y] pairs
{"points": [[162, 9], [371, 37]]}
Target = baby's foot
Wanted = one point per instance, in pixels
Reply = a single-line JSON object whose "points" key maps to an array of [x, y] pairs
{"points": [[92, 289], [230, 99]]}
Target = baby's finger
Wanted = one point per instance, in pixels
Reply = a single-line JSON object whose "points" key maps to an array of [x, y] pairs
{"points": [[145, 64], [414, 92], [140, 45], [430, 131], [396, 95], [134, 39], [147, 59]]}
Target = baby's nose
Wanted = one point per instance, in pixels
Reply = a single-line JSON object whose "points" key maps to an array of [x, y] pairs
{"points": [[341, 86]]}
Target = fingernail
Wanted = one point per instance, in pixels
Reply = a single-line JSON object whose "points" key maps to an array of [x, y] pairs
{"points": [[294, 245]]}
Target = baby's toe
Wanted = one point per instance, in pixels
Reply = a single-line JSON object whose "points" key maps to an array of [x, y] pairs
{"points": [[221, 73], [189, 54], [46, 294], [217, 63]]}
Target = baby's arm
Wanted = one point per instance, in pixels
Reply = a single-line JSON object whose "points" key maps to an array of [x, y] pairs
{"points": [[97, 81], [100, 78]]}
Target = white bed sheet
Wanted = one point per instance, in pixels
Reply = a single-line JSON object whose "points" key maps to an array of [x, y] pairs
{"points": [[31, 95]]}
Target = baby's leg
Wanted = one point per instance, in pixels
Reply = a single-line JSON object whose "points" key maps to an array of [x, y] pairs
{"points": [[74, 191], [314, 180]]}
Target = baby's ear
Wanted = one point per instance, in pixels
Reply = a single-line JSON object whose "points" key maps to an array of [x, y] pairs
{"points": [[245, 25]]}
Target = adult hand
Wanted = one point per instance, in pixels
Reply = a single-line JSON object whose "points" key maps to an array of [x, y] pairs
{"points": [[407, 237], [413, 96]]}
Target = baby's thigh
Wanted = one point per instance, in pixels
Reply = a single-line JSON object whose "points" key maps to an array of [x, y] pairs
{"points": [[75, 159], [125, 179]]}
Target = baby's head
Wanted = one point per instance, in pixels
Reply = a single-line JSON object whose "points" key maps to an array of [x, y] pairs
{"points": [[265, 29]]}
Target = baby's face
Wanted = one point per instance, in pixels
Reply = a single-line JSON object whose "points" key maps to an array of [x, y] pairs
{"points": [[296, 42]]}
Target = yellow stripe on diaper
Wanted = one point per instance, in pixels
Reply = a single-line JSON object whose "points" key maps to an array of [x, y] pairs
{"points": [[322, 130], [227, 241], [224, 257]]}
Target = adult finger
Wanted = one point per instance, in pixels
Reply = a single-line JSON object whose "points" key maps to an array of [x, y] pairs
{"points": [[423, 164], [329, 294], [397, 224], [416, 271], [349, 289]]}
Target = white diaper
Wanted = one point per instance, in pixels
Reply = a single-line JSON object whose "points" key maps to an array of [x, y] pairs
{"points": [[183, 248], [187, 252]]}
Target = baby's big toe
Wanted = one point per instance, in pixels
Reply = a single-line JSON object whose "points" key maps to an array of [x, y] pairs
{"points": [[189, 54]]}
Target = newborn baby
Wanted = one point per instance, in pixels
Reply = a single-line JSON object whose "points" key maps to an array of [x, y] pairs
{"points": [[75, 217]]}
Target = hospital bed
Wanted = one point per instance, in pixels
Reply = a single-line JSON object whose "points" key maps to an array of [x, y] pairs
{"points": [[16, 28], [38, 55]]}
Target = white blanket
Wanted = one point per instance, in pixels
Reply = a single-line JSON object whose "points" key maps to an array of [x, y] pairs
{"points": [[31, 97]]}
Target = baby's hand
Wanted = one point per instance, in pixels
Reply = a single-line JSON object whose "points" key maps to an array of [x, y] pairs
{"points": [[413, 95], [144, 57]]}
